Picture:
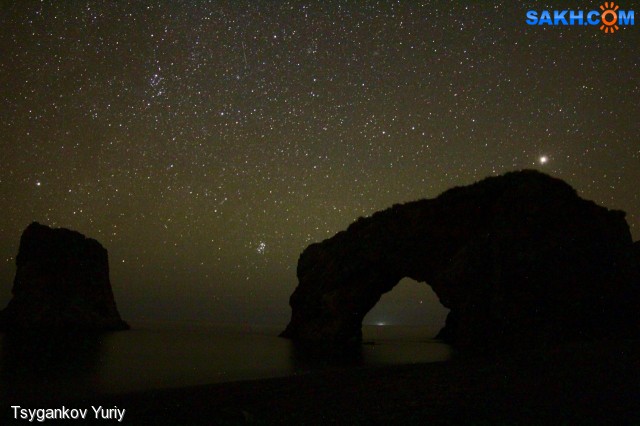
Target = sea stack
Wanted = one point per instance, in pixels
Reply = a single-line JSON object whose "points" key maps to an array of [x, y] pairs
{"points": [[61, 284], [519, 259]]}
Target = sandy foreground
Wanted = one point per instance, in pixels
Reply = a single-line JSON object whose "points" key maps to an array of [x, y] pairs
{"points": [[582, 383]]}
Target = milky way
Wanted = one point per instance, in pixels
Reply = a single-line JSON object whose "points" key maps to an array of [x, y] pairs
{"points": [[206, 144]]}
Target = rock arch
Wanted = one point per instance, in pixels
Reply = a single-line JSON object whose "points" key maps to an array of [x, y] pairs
{"points": [[411, 304], [514, 257]]}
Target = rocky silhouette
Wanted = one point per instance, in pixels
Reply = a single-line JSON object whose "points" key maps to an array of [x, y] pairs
{"points": [[518, 258], [61, 283]]}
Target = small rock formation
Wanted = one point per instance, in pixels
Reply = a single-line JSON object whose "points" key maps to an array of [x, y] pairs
{"points": [[61, 283], [518, 258]]}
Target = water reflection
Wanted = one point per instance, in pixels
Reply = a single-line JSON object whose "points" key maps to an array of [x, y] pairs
{"points": [[40, 366], [34, 364], [305, 356]]}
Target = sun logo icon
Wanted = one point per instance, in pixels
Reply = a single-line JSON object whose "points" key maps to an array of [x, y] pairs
{"points": [[609, 17]]}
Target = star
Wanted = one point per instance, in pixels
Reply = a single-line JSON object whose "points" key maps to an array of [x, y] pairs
{"points": [[199, 135], [261, 247]]}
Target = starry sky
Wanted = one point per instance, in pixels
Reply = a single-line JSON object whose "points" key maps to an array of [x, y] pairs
{"points": [[205, 144]]}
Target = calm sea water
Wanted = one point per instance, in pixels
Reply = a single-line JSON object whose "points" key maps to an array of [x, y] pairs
{"points": [[153, 356]]}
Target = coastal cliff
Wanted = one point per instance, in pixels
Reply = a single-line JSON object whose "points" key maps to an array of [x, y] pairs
{"points": [[518, 258], [61, 283]]}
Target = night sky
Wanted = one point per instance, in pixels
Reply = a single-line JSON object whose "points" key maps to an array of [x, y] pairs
{"points": [[206, 144]]}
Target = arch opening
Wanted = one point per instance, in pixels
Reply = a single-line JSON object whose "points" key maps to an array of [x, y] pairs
{"points": [[409, 304]]}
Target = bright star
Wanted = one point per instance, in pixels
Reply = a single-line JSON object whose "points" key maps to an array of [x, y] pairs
{"points": [[543, 159]]}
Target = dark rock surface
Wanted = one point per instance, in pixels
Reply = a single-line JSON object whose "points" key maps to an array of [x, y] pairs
{"points": [[518, 258], [61, 283]]}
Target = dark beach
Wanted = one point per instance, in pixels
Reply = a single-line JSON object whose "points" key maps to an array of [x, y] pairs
{"points": [[581, 383]]}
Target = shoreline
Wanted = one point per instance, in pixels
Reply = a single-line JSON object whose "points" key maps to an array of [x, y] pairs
{"points": [[577, 383]]}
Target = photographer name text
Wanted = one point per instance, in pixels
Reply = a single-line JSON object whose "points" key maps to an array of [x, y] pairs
{"points": [[64, 413]]}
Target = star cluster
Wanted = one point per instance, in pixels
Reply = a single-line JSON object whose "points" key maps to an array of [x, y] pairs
{"points": [[206, 144]]}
